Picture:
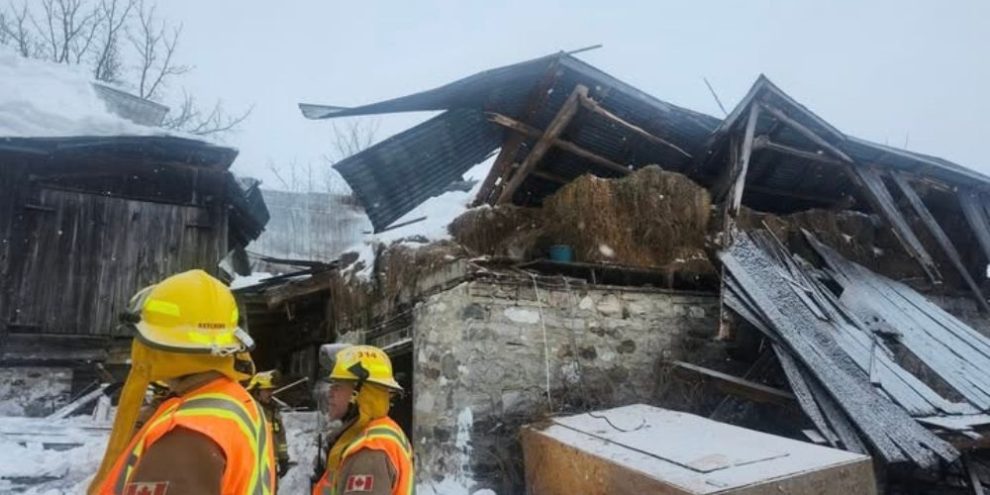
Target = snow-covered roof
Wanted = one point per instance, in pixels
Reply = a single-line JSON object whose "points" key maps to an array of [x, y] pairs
{"points": [[45, 99]]}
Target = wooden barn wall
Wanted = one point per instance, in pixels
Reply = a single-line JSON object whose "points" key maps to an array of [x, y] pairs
{"points": [[74, 258]]}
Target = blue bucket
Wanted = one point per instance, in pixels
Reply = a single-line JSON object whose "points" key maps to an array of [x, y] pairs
{"points": [[562, 253]]}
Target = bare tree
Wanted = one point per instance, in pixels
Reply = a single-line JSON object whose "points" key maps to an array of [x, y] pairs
{"points": [[345, 140], [89, 32], [14, 30], [114, 15]]}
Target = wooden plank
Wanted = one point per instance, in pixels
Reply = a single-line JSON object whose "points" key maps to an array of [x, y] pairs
{"points": [[973, 210], [550, 177], [567, 146], [319, 282], [884, 204], [804, 396], [510, 148], [739, 386], [764, 143], [596, 108], [889, 429], [567, 112], [941, 238], [956, 353], [808, 133]]}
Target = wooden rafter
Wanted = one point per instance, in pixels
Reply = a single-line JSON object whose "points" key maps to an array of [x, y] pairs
{"points": [[544, 143], [595, 107], [808, 133], [940, 237], [532, 132], [764, 143], [503, 163]]}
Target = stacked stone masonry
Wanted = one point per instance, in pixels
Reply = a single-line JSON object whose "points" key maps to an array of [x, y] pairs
{"points": [[483, 350]]}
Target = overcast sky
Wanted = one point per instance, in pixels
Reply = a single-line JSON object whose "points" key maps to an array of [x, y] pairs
{"points": [[893, 71]]}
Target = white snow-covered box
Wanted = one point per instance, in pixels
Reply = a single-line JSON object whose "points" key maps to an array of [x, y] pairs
{"points": [[643, 449]]}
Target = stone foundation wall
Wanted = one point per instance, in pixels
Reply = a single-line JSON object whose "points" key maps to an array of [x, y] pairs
{"points": [[483, 351]]}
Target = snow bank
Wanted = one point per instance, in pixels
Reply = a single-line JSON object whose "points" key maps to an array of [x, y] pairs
{"points": [[44, 99]]}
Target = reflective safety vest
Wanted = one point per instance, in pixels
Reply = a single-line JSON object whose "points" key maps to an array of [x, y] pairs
{"points": [[384, 435], [223, 411]]}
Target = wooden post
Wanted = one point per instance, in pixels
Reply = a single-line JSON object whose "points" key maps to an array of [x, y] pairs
{"points": [[741, 166], [568, 146], [554, 129], [808, 133], [598, 109], [941, 237]]}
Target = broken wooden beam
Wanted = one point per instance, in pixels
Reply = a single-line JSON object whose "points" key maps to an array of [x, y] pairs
{"points": [[595, 107], [764, 143], [567, 112], [808, 133], [507, 154], [753, 391], [871, 180], [567, 146], [940, 237]]}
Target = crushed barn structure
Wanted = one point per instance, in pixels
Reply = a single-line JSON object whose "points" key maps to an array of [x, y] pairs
{"points": [[764, 269]]}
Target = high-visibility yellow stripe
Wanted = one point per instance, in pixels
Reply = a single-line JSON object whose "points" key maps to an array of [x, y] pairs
{"points": [[162, 307]]}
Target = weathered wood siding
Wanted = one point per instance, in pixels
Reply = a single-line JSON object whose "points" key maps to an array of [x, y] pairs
{"points": [[70, 260]]}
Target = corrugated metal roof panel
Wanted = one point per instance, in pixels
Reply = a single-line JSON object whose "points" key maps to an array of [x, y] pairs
{"points": [[401, 172]]}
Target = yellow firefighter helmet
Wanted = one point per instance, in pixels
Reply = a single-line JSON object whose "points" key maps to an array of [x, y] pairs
{"points": [[364, 363]]}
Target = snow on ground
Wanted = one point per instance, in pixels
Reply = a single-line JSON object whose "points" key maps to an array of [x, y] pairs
{"points": [[44, 99], [44, 457], [301, 429]]}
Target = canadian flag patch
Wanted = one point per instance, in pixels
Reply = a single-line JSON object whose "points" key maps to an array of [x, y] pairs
{"points": [[146, 488], [359, 483]]}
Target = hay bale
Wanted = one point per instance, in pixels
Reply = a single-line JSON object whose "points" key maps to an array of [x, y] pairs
{"points": [[650, 218], [502, 231]]}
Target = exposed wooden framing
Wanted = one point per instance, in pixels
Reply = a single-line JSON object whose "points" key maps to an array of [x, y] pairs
{"points": [[598, 109], [872, 182], [764, 143], [503, 163], [975, 213], [318, 282], [550, 177], [740, 166], [738, 386], [941, 238], [567, 146], [808, 133], [567, 112]]}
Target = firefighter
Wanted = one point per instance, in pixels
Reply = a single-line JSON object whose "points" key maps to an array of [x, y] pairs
{"points": [[372, 456], [210, 437], [261, 387]]}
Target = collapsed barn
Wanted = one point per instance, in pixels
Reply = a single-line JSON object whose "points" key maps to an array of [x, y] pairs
{"points": [[764, 269]]}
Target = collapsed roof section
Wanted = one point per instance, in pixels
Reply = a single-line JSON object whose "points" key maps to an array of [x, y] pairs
{"points": [[556, 118], [617, 127]]}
